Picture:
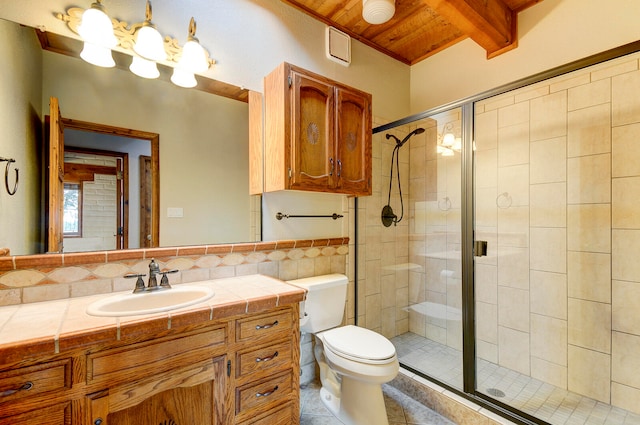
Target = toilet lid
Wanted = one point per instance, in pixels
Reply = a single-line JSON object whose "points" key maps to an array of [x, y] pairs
{"points": [[360, 343]]}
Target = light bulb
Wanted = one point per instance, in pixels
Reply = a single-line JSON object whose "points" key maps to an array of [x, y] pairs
{"points": [[144, 68], [97, 55], [96, 27], [149, 43], [193, 57], [448, 140], [183, 78]]}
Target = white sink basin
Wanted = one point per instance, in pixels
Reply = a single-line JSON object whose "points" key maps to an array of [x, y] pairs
{"points": [[131, 304]]}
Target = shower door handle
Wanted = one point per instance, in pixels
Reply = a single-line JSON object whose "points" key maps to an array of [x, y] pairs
{"points": [[480, 248]]}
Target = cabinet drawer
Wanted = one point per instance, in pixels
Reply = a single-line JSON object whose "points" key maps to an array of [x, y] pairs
{"points": [[268, 358], [150, 358], [33, 380], [279, 416], [265, 394], [59, 414], [270, 325]]}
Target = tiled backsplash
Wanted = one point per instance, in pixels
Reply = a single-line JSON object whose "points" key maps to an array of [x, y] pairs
{"points": [[34, 278]]}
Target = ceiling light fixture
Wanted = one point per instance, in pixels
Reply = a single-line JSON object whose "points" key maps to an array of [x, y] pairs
{"points": [[378, 11], [141, 40]]}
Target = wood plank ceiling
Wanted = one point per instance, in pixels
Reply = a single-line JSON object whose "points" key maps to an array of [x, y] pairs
{"points": [[421, 28]]}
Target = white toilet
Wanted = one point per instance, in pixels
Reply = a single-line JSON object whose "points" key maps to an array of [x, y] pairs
{"points": [[354, 362]]}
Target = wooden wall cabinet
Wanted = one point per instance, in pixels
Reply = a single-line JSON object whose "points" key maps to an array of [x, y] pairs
{"points": [[243, 370], [317, 134]]}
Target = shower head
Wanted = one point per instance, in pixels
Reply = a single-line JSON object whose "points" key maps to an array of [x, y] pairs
{"points": [[399, 142]]}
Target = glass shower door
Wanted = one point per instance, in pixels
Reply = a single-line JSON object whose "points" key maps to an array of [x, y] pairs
{"points": [[432, 342], [555, 174]]}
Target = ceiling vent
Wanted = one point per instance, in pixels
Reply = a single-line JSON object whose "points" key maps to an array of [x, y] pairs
{"points": [[338, 46]]}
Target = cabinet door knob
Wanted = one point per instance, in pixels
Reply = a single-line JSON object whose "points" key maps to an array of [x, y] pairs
{"points": [[331, 170]]}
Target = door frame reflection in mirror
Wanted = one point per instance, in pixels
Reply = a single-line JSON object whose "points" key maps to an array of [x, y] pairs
{"points": [[154, 140]]}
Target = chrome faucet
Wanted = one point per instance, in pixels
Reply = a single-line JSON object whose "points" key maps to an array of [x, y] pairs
{"points": [[152, 285], [154, 269]]}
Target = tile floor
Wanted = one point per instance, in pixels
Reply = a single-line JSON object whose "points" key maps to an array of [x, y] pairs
{"points": [[539, 399], [401, 410]]}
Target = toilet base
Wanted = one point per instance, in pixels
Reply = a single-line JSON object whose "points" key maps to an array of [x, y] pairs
{"points": [[359, 403]]}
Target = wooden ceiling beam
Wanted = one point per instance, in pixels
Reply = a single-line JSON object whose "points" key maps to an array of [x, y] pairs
{"points": [[490, 23]]}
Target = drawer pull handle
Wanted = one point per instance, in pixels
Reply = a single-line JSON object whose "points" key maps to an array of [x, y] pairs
{"points": [[268, 393], [258, 327], [98, 421], [26, 387], [266, 359]]}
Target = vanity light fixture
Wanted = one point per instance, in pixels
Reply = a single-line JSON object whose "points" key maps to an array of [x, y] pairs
{"points": [[97, 32], [448, 142], [192, 60], [142, 40], [378, 11], [149, 42], [149, 47]]}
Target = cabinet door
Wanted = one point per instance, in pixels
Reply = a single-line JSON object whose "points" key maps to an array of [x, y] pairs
{"points": [[353, 164], [196, 395], [312, 156]]}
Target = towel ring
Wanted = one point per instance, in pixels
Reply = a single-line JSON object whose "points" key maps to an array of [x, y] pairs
{"points": [[6, 176], [504, 200], [444, 204]]}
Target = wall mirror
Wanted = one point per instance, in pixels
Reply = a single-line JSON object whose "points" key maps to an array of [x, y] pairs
{"points": [[203, 149]]}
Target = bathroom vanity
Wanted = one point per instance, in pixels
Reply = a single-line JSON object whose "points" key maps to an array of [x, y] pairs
{"points": [[233, 359]]}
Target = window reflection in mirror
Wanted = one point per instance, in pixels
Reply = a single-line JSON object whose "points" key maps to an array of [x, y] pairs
{"points": [[72, 210]]}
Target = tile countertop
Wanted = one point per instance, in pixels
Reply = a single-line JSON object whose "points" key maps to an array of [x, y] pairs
{"points": [[52, 327]]}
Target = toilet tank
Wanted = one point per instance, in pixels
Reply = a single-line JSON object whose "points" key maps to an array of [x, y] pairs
{"points": [[325, 301]]}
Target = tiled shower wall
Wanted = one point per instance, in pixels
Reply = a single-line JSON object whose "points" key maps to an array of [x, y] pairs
{"points": [[435, 280], [557, 189], [383, 252], [409, 274], [406, 281]]}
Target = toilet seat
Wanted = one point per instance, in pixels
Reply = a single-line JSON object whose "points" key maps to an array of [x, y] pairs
{"points": [[359, 344]]}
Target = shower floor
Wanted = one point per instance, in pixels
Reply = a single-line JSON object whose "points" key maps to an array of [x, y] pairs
{"points": [[544, 401]]}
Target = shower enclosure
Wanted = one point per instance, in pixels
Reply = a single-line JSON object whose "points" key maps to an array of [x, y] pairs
{"points": [[513, 278]]}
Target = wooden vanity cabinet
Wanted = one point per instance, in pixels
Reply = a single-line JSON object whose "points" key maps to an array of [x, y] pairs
{"points": [[240, 370], [318, 134], [180, 378]]}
